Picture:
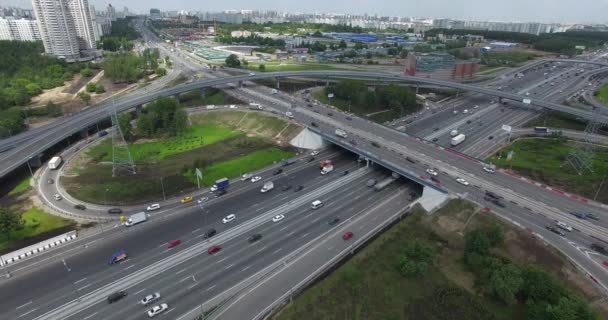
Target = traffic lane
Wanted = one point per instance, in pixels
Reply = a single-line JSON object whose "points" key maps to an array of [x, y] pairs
{"points": [[142, 238], [238, 254]]}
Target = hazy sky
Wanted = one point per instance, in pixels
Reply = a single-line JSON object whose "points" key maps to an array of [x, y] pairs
{"points": [[503, 10]]}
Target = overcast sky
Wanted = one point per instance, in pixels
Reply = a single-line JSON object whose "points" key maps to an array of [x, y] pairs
{"points": [[503, 10]]}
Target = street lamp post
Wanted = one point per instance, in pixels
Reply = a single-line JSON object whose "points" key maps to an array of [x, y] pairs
{"points": [[163, 188], [30, 167]]}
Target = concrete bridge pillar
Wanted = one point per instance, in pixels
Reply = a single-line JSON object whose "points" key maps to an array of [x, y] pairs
{"points": [[138, 110], [240, 84], [278, 84], [203, 92], [500, 100], [176, 97]]}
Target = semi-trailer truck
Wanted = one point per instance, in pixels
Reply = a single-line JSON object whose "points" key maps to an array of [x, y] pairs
{"points": [[458, 139], [136, 218], [55, 162]]}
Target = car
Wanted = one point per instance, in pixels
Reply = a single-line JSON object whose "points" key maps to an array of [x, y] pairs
{"points": [[80, 207], [298, 188], [347, 235], [435, 129], [605, 263], [58, 197], [116, 296], [150, 298], [345, 172], [435, 139], [213, 188], [186, 199], [50, 181], [115, 211], [286, 188], [311, 159], [278, 218], [254, 237], [593, 216], [314, 124], [233, 107], [564, 226], [488, 169], [349, 118], [209, 233], [333, 221], [314, 153], [173, 243], [408, 159], [555, 230], [599, 248], [431, 172], [435, 180], [152, 207], [221, 192], [214, 249], [246, 176], [277, 171], [157, 310], [201, 200], [330, 114], [490, 137], [256, 179], [252, 74], [462, 181], [375, 144], [371, 182], [229, 218]]}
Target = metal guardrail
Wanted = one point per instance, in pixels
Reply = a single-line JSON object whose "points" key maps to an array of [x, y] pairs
{"points": [[41, 246]]}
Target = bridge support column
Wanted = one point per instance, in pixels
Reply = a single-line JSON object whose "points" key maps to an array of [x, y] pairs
{"points": [[278, 84], [500, 100], [138, 110], [176, 97], [240, 84], [326, 82], [202, 92]]}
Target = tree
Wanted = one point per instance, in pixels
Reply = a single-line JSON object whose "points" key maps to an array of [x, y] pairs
{"points": [[9, 221], [86, 72], [262, 67], [85, 97], [342, 44], [318, 47], [476, 241], [99, 88], [244, 62], [53, 110], [161, 72], [317, 34], [91, 87], [124, 67], [495, 234], [505, 281], [360, 45], [124, 122], [232, 61], [403, 54]]}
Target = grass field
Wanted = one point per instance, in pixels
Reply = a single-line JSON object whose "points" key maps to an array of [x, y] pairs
{"points": [[602, 94], [36, 222], [273, 66], [369, 286], [544, 161], [193, 138], [21, 187]]}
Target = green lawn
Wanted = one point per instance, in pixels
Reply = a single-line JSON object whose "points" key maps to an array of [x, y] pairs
{"points": [[273, 66], [557, 120], [193, 138], [36, 222], [236, 167], [543, 160], [21, 187], [602, 94]]}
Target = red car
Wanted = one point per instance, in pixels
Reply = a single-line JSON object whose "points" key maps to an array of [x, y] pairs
{"points": [[606, 263], [347, 235], [174, 243], [213, 249]]}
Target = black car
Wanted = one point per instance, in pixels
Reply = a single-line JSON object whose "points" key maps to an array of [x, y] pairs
{"points": [[375, 144], [298, 188], [410, 160], [254, 238], [349, 118], [50, 181], [311, 159], [286, 188], [221, 192], [436, 129], [435, 139], [330, 114], [490, 137], [80, 207], [210, 233], [333, 221], [278, 171], [116, 296], [115, 211], [599, 248], [555, 230], [314, 124], [345, 172], [435, 179]]}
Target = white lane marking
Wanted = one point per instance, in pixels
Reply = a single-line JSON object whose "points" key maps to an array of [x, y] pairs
{"points": [[329, 248], [23, 305], [129, 267], [261, 249], [245, 269], [192, 286], [228, 267], [140, 291], [81, 280], [25, 314], [184, 279], [213, 286], [82, 288], [285, 227], [222, 260], [162, 244], [196, 230], [170, 310], [277, 251], [289, 234], [89, 316], [304, 235], [200, 236], [180, 271]]}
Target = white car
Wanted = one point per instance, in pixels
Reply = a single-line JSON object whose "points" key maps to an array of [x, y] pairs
{"points": [[462, 181], [256, 179], [564, 226], [201, 200], [431, 172], [152, 207], [252, 74], [233, 107], [213, 188], [314, 153], [488, 169], [157, 310], [278, 218], [246, 176], [58, 197], [229, 218], [150, 298], [289, 115]]}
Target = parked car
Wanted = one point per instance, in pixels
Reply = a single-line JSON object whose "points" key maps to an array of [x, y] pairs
{"points": [[173, 243], [150, 298]]}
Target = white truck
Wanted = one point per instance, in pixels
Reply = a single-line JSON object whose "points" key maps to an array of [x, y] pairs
{"points": [[267, 187], [341, 133], [454, 133], [136, 218], [458, 139], [55, 162], [327, 169]]}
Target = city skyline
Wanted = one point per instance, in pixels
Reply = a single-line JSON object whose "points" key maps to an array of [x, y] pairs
{"points": [[580, 11]]}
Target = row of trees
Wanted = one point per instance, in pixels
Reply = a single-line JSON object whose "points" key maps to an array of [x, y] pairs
{"points": [[394, 97], [510, 283], [160, 118], [129, 67], [252, 40]]}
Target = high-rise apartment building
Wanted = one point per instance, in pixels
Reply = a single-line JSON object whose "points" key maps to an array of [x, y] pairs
{"points": [[66, 27], [19, 29], [111, 12]]}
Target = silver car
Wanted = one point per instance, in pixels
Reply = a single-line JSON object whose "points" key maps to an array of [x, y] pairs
{"points": [[150, 298]]}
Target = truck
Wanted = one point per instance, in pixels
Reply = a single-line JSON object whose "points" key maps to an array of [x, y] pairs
{"points": [[267, 187], [341, 133], [327, 169], [118, 256], [256, 106], [55, 162], [454, 133], [541, 130], [324, 163], [458, 139], [222, 183], [382, 184], [136, 218]]}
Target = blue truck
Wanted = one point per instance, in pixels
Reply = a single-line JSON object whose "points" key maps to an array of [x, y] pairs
{"points": [[118, 256], [222, 184], [541, 129]]}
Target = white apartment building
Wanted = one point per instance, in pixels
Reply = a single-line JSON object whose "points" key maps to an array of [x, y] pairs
{"points": [[19, 29]]}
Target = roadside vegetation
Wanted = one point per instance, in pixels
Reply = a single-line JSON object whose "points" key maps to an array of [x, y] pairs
{"points": [[21, 187], [290, 66], [602, 94], [544, 161], [212, 97], [457, 263]]}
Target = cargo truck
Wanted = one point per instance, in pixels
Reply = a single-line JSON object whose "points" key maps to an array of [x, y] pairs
{"points": [[327, 169], [222, 184], [55, 162], [267, 187], [324, 163], [341, 133], [118, 256], [458, 139], [541, 130], [136, 218]]}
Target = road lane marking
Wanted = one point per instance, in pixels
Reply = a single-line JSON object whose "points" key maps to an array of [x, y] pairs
{"points": [[289, 234], [222, 260], [140, 291], [170, 310], [285, 227], [261, 249], [200, 236], [162, 244], [129, 267], [329, 248], [180, 271], [213, 286], [23, 305], [192, 286], [244, 269], [196, 230], [25, 314], [277, 251], [89, 316], [228, 267], [184, 279], [81, 280], [304, 235], [82, 288]]}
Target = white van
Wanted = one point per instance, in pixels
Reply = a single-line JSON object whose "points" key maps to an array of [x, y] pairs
{"points": [[316, 204]]}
